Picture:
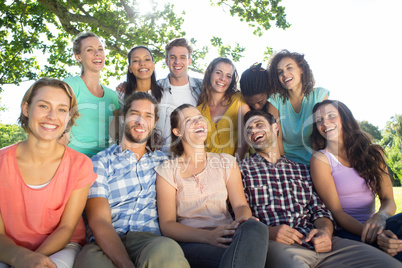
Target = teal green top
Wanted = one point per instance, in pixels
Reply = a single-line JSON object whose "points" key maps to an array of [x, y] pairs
{"points": [[297, 127], [90, 135]]}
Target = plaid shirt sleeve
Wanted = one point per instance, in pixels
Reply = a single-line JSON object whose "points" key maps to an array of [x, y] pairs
{"points": [[318, 209], [100, 187]]}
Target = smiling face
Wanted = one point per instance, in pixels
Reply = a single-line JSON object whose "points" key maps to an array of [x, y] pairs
{"points": [[257, 101], [221, 77], [139, 121], [329, 123], [141, 64], [192, 127], [92, 56], [178, 60], [289, 74], [48, 114], [260, 133]]}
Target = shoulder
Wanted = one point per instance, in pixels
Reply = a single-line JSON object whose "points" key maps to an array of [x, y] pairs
{"points": [[320, 93], [72, 80], [227, 160], [106, 155], [275, 100], [295, 167], [158, 156], [164, 82]]}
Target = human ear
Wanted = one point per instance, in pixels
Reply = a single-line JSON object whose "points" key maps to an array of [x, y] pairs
{"points": [[25, 108], [78, 57], [190, 60], [176, 132]]}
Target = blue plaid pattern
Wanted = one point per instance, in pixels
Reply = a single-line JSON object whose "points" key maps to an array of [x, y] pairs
{"points": [[282, 193], [129, 186]]}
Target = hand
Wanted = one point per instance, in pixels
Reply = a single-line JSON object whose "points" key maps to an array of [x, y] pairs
{"points": [[321, 240], [33, 260], [389, 242], [121, 87], [244, 219], [285, 234], [373, 227], [220, 236]]}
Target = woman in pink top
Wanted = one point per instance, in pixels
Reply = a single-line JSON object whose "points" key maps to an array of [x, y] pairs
{"points": [[193, 191], [44, 184], [348, 171]]}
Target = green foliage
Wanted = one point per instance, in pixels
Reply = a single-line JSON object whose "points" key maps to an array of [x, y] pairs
{"points": [[371, 129], [227, 50], [391, 142], [10, 134], [259, 14], [31, 29]]}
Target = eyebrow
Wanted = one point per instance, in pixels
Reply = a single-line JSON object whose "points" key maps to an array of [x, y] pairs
{"points": [[62, 104]]}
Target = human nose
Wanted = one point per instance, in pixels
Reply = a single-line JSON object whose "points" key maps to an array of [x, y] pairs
{"points": [[51, 114]]}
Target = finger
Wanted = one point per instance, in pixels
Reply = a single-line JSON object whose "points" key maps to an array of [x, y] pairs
{"points": [[311, 234], [222, 245], [50, 264], [364, 233]]}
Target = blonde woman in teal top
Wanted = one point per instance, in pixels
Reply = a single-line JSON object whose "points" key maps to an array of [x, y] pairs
{"points": [[97, 104], [292, 103]]}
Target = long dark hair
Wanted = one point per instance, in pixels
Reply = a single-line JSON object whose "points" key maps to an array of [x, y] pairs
{"points": [[307, 77], [207, 86], [155, 141], [364, 156], [176, 145], [131, 84]]}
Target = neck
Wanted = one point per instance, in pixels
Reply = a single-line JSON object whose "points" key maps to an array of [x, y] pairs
{"points": [[92, 80], [39, 151], [178, 81], [296, 94], [193, 153], [139, 149], [336, 148], [143, 85], [270, 154], [216, 99]]}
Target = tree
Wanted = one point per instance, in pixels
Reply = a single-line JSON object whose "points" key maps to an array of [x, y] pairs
{"points": [[371, 129], [10, 134], [30, 29]]}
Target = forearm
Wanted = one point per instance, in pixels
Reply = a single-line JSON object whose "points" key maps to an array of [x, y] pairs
{"points": [[348, 223], [184, 233], [9, 251], [56, 241], [324, 224], [387, 208], [110, 243], [242, 211]]}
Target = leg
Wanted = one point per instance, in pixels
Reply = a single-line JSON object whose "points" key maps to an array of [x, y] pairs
{"points": [[3, 265], [394, 224], [65, 258], [151, 250], [345, 234], [249, 246], [290, 256], [349, 253], [92, 256], [202, 255]]}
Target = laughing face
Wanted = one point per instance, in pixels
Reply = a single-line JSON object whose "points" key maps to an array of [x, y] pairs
{"points": [[48, 113], [260, 133], [329, 123], [140, 121], [221, 77], [192, 127], [178, 60], [141, 64], [289, 74], [92, 56]]}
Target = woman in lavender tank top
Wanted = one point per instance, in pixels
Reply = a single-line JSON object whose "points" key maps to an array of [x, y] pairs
{"points": [[348, 170]]}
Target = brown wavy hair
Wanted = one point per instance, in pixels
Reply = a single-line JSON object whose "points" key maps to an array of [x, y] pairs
{"points": [[364, 156], [207, 86], [307, 77]]}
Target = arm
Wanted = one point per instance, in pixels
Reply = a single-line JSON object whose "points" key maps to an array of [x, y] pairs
{"points": [[17, 256], [325, 187], [321, 236], [376, 224], [243, 147], [100, 222], [114, 126], [69, 220], [272, 110], [166, 201], [237, 197]]}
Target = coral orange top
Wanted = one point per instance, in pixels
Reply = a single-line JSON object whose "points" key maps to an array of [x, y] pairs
{"points": [[31, 215]]}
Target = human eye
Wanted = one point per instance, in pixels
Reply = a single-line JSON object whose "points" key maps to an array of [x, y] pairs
{"points": [[63, 110], [280, 72]]}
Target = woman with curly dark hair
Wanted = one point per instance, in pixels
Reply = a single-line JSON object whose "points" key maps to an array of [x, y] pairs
{"points": [[348, 171], [224, 108], [292, 103]]}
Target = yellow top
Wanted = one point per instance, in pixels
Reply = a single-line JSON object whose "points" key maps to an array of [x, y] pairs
{"points": [[223, 135]]}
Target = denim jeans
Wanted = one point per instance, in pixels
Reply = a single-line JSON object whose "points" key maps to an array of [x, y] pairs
{"points": [[248, 249], [394, 224]]}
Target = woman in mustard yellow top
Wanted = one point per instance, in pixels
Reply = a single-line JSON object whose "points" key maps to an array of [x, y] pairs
{"points": [[223, 107]]}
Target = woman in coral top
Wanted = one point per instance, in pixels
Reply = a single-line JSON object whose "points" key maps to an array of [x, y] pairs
{"points": [[348, 171], [193, 191], [44, 184], [224, 108]]}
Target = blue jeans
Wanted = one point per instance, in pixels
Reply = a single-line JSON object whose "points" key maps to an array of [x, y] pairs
{"points": [[394, 224], [248, 249]]}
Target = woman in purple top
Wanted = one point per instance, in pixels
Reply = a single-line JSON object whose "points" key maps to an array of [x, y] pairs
{"points": [[348, 171]]}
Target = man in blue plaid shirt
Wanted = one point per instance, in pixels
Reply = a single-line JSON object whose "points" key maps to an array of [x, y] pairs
{"points": [[280, 193], [121, 206]]}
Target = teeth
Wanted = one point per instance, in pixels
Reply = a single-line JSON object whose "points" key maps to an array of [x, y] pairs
{"points": [[143, 70], [139, 130], [329, 129], [49, 126], [258, 137], [289, 79], [220, 84], [199, 130], [178, 68], [97, 61]]}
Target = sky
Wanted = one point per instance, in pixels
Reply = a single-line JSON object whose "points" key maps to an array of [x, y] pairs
{"points": [[352, 46]]}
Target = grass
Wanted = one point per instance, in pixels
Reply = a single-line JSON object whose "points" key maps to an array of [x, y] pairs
{"points": [[398, 200]]}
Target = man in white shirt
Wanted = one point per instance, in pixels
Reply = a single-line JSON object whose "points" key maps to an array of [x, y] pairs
{"points": [[178, 87]]}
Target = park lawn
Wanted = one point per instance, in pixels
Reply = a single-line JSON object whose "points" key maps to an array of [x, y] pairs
{"points": [[397, 197]]}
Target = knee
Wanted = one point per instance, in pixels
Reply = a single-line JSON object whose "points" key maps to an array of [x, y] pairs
{"points": [[255, 228], [165, 252]]}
